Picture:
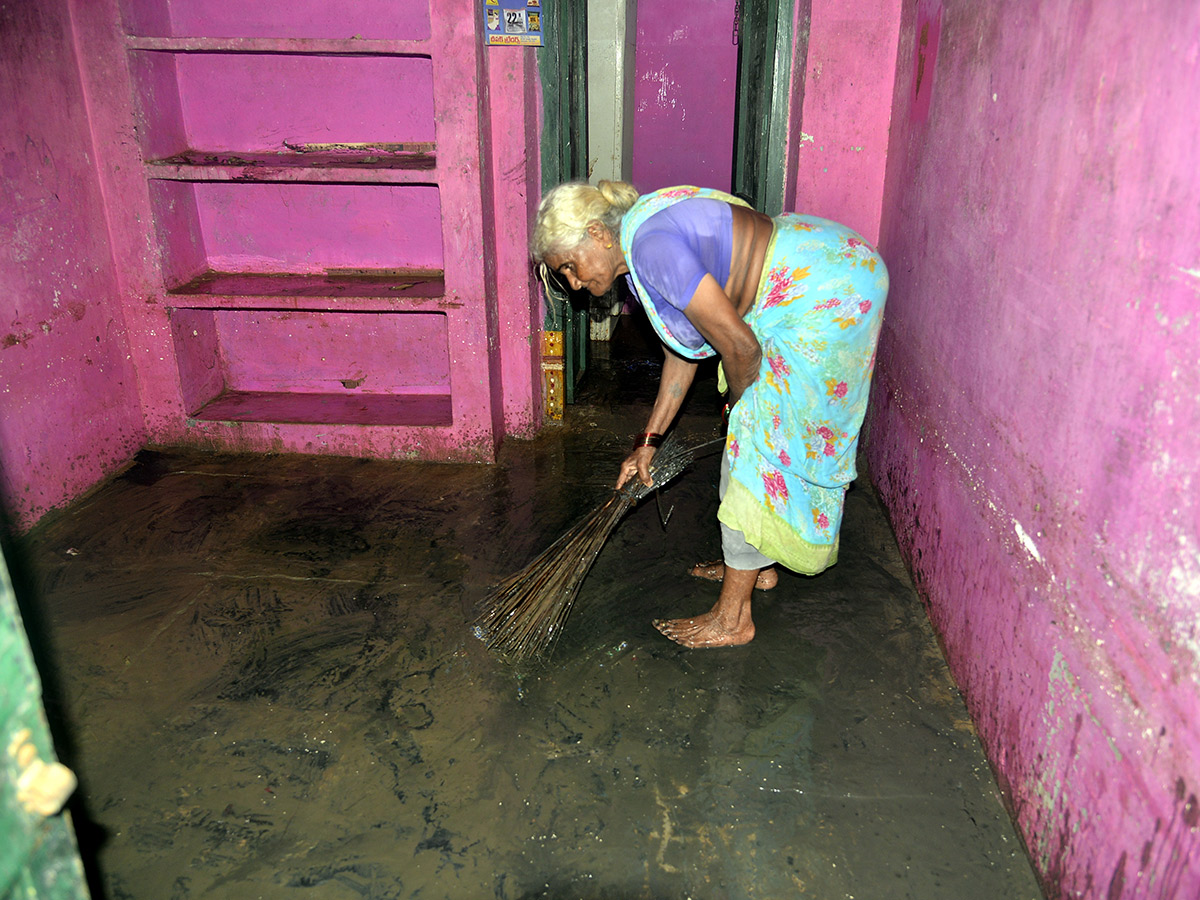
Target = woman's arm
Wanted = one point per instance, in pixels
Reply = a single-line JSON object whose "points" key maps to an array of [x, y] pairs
{"points": [[715, 317], [677, 376]]}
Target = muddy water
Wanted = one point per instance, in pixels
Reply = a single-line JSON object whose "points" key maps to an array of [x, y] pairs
{"points": [[270, 688]]}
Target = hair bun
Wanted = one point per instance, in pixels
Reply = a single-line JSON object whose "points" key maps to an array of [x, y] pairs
{"points": [[617, 193]]}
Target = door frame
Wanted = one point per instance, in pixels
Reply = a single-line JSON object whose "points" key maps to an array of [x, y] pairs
{"points": [[562, 68], [766, 93]]}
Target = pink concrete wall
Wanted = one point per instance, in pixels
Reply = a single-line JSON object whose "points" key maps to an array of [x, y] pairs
{"points": [[1035, 415], [514, 179], [684, 93], [841, 147], [68, 399]]}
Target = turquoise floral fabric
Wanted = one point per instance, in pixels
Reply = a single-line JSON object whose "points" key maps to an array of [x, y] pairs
{"points": [[793, 436]]}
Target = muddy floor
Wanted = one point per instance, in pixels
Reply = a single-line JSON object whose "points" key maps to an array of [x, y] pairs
{"points": [[263, 670]]}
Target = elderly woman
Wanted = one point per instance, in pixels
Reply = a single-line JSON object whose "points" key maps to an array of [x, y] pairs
{"points": [[792, 305]]}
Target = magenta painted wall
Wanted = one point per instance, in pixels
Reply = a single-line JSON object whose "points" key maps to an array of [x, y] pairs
{"points": [[1035, 420], [842, 144], [69, 412], [684, 93], [514, 137]]}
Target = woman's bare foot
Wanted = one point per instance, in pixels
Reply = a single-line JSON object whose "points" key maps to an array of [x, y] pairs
{"points": [[704, 631], [715, 571], [728, 624]]}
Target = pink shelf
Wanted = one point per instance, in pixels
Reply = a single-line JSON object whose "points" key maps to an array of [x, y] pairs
{"points": [[381, 284], [298, 238], [328, 409], [284, 105], [245, 165], [326, 46], [314, 367], [360, 21], [313, 179]]}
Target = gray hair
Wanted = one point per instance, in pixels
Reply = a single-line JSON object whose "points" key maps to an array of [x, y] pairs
{"points": [[567, 210]]}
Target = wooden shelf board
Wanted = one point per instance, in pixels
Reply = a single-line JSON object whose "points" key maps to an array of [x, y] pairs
{"points": [[400, 157], [319, 46], [398, 284], [287, 408]]}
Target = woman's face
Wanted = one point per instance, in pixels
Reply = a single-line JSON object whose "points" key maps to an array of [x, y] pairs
{"points": [[592, 266]]}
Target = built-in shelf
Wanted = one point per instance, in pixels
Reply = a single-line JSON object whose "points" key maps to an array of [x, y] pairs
{"points": [[292, 408], [357, 163], [314, 367], [393, 284], [295, 162], [285, 110], [294, 174], [325, 47], [298, 240], [361, 22]]}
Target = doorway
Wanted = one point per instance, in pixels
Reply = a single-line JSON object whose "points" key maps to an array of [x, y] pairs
{"points": [[662, 92], [713, 93]]}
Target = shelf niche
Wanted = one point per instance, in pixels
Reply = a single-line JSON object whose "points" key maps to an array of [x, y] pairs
{"points": [[298, 239], [311, 19], [280, 109], [317, 368]]}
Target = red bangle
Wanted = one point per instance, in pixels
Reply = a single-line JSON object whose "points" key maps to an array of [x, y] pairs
{"points": [[648, 439]]}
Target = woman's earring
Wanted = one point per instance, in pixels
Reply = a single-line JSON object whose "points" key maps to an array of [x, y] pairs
{"points": [[608, 246]]}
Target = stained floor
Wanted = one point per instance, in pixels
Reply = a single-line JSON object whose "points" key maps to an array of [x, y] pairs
{"points": [[263, 670]]}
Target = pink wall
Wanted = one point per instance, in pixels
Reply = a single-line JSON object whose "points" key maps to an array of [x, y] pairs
{"points": [[514, 179], [841, 148], [68, 399], [684, 93], [1035, 416]]}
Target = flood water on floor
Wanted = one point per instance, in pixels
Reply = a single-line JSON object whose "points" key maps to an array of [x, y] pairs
{"points": [[263, 670]]}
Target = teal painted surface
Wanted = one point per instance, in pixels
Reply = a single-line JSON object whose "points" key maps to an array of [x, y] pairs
{"points": [[38, 856], [765, 47], [562, 68]]}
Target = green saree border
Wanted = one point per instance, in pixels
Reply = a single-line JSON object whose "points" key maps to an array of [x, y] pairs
{"points": [[771, 535]]}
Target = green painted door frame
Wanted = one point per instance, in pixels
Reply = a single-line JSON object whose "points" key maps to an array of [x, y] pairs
{"points": [[764, 96], [562, 67], [38, 855]]}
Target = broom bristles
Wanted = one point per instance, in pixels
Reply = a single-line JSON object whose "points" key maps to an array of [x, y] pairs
{"points": [[523, 615]]}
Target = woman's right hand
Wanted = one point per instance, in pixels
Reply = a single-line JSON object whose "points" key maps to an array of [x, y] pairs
{"points": [[637, 464]]}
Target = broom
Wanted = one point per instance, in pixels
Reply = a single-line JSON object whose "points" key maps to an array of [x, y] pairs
{"points": [[523, 615]]}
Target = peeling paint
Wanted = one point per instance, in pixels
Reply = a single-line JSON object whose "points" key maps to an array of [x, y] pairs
{"points": [[1194, 274], [1026, 541], [684, 95]]}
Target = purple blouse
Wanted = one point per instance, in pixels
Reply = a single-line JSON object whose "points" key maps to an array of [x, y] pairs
{"points": [[672, 252]]}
